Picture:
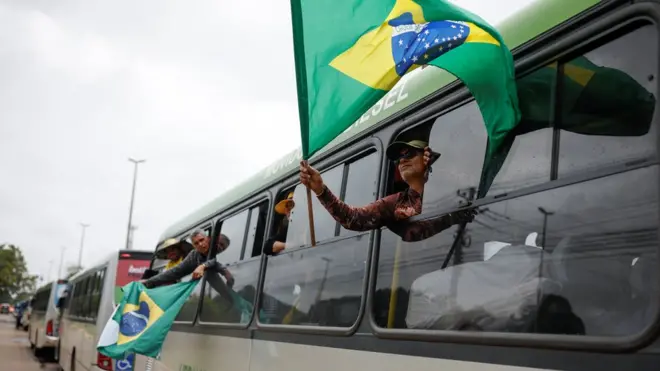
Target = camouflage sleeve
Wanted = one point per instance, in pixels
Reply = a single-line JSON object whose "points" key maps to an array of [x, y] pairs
{"points": [[364, 218], [420, 230]]}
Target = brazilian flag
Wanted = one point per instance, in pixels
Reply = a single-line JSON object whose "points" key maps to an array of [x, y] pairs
{"points": [[142, 319], [350, 53]]}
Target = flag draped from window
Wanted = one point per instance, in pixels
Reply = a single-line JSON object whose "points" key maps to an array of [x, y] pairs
{"points": [[142, 319], [350, 53]]}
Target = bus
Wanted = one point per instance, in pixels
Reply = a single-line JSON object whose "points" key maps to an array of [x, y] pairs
{"points": [[558, 270], [95, 292], [44, 319]]}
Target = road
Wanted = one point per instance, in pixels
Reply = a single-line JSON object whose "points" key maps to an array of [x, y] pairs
{"points": [[15, 352]]}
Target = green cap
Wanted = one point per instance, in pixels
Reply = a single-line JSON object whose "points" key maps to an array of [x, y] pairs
{"points": [[395, 148]]}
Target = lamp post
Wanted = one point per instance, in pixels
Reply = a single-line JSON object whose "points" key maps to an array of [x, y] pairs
{"points": [[59, 272], [545, 224], [130, 210], [82, 244]]}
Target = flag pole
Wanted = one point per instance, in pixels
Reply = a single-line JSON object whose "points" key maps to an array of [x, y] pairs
{"points": [[310, 215], [301, 90]]}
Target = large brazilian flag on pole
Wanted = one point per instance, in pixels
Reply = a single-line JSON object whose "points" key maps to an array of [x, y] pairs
{"points": [[350, 53], [142, 320]]}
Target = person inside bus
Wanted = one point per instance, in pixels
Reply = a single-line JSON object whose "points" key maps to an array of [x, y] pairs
{"points": [[174, 251], [196, 263], [413, 159], [277, 243]]}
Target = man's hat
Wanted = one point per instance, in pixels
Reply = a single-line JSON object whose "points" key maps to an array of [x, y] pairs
{"points": [[171, 243], [281, 206], [395, 148]]}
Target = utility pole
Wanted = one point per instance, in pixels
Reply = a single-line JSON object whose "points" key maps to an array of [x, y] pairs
{"points": [[59, 273], [130, 210], [50, 269], [545, 224], [82, 243]]}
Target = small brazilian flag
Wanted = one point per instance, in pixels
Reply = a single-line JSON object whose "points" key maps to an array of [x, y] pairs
{"points": [[142, 320], [350, 53]]}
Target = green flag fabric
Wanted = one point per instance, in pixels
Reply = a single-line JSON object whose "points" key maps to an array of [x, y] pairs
{"points": [[142, 319], [350, 53], [595, 100]]}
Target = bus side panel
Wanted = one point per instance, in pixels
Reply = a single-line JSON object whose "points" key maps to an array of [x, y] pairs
{"points": [[271, 355], [188, 351]]}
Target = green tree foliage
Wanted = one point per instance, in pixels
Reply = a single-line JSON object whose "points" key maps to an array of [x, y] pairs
{"points": [[15, 281]]}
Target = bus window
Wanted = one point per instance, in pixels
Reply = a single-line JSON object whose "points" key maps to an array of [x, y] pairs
{"points": [[564, 260], [322, 285], [255, 232], [525, 158], [557, 261], [324, 225], [231, 300], [460, 136], [360, 184], [234, 228], [608, 120]]}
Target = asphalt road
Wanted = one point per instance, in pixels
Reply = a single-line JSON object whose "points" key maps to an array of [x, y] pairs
{"points": [[15, 352]]}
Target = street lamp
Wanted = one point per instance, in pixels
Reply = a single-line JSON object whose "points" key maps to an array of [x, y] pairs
{"points": [[82, 243], [130, 210], [59, 273], [545, 224]]}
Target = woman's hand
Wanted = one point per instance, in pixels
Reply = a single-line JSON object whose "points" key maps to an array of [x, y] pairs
{"points": [[427, 156], [311, 178]]}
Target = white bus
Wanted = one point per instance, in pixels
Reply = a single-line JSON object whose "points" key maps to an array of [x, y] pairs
{"points": [[559, 270], [94, 294], [44, 319]]}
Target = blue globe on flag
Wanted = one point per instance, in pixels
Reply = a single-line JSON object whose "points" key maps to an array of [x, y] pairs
{"points": [[132, 323]]}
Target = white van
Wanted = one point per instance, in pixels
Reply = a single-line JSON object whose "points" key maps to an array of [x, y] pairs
{"points": [[94, 294], [43, 330]]}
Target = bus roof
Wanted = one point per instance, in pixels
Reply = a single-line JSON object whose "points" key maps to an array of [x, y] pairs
{"points": [[139, 254], [525, 25]]}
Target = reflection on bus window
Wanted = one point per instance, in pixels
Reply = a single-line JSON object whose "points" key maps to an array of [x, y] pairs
{"points": [[608, 104], [558, 261], [324, 225], [318, 286]]}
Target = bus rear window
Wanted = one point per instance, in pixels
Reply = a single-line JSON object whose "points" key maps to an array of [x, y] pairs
{"points": [[129, 270]]}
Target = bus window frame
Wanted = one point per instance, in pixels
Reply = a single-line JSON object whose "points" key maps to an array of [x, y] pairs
{"points": [[568, 44], [256, 201], [203, 226], [354, 152]]}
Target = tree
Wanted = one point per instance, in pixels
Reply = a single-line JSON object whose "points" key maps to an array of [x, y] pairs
{"points": [[15, 281]]}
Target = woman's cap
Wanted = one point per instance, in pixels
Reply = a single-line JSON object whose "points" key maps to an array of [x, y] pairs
{"points": [[394, 149], [281, 206]]}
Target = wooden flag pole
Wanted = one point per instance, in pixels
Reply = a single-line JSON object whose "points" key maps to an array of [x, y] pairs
{"points": [[310, 212]]}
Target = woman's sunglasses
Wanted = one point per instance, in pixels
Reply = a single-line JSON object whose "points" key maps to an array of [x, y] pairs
{"points": [[410, 153]]}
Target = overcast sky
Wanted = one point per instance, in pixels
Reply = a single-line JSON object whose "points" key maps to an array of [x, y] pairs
{"points": [[199, 88]]}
